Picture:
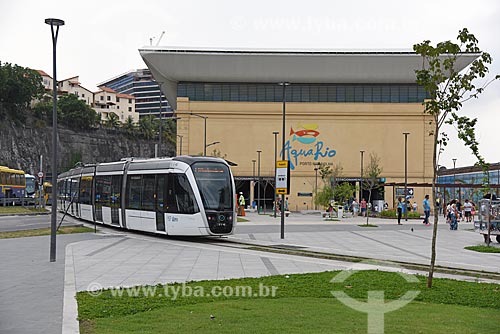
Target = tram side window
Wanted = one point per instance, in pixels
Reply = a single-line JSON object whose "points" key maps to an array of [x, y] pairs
{"points": [[74, 190], [103, 190], [134, 192], [148, 192], [179, 195], [116, 189], [85, 190]]}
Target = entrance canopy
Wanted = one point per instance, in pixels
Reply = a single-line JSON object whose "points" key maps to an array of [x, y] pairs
{"points": [[170, 65]]}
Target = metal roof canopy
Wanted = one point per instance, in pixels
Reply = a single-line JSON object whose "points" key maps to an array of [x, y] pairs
{"points": [[169, 65]]}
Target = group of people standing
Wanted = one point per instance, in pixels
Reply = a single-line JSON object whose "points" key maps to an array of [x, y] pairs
{"points": [[356, 207], [455, 212], [402, 206]]}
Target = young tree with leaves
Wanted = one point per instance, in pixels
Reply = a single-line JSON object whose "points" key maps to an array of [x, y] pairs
{"points": [[448, 90], [371, 176]]}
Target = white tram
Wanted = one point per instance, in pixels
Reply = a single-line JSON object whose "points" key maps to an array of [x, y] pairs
{"points": [[191, 196]]}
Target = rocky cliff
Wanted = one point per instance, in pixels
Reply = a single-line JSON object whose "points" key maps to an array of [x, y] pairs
{"points": [[22, 145]]}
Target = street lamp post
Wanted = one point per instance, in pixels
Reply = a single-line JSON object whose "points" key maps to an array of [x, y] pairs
{"points": [[454, 177], [316, 188], [406, 173], [205, 133], [253, 180], [361, 180], [53, 222], [180, 146], [258, 180], [160, 126], [275, 133], [284, 84]]}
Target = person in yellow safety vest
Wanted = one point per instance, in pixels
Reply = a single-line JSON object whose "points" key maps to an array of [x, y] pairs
{"points": [[241, 203]]}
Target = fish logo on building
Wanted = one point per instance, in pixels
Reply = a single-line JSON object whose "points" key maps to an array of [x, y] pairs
{"points": [[307, 134]]}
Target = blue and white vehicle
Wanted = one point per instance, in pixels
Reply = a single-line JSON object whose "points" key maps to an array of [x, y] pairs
{"points": [[173, 196], [30, 185]]}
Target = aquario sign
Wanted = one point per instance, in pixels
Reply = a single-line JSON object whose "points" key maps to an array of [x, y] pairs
{"points": [[304, 142]]}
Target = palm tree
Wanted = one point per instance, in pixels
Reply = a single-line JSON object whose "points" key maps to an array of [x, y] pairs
{"points": [[112, 120], [146, 127], [129, 125]]}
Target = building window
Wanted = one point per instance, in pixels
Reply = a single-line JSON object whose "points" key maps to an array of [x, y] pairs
{"points": [[83, 94], [109, 98], [102, 98], [117, 99], [130, 109], [129, 100], [117, 107], [264, 92]]}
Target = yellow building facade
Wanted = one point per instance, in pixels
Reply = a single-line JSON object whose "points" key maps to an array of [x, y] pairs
{"points": [[344, 129], [229, 103]]}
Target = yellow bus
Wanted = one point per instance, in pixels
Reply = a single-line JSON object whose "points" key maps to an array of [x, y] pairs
{"points": [[12, 183]]}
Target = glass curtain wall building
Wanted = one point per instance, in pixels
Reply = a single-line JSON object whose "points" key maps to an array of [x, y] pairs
{"points": [[463, 177], [143, 87]]}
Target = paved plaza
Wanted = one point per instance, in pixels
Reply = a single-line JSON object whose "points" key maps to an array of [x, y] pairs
{"points": [[39, 297]]}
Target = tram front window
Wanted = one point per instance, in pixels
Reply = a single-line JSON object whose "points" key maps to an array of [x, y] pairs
{"points": [[214, 181]]}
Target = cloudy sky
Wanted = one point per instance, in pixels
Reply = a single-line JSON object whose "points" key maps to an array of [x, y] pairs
{"points": [[101, 38]]}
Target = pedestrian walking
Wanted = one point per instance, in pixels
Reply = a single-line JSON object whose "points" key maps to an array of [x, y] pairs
{"points": [[399, 209], [363, 207], [468, 211], [453, 217], [355, 207], [427, 209]]}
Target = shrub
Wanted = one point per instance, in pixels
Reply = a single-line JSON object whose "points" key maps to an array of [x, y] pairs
{"points": [[393, 214]]}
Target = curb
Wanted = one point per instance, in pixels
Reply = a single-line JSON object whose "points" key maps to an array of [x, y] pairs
{"points": [[70, 323]]}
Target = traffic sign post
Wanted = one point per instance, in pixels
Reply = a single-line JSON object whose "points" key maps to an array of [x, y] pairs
{"points": [[282, 177]]}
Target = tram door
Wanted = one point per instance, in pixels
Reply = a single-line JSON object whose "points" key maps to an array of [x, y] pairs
{"points": [[115, 200], [161, 182]]}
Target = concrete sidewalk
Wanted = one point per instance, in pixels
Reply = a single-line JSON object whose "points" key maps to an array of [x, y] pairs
{"points": [[410, 242], [31, 287]]}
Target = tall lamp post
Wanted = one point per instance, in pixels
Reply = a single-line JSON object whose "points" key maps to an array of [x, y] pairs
{"points": [[275, 133], [205, 133], [258, 180], [284, 84], [160, 126], [361, 180], [180, 147], [53, 222], [253, 180], [406, 173], [316, 188], [454, 178]]}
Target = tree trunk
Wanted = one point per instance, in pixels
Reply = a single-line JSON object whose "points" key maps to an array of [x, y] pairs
{"points": [[369, 200], [436, 212]]}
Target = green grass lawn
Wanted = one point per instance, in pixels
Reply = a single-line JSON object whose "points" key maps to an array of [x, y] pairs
{"points": [[303, 304], [242, 220], [368, 225], [484, 249], [10, 210], [44, 231]]}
